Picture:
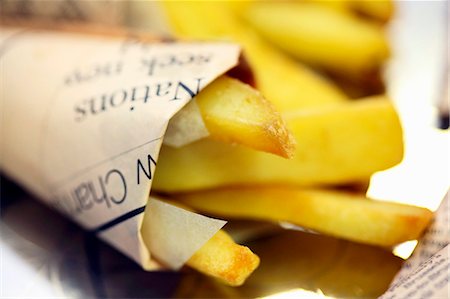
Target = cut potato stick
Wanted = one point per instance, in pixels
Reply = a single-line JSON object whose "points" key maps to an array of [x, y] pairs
{"points": [[381, 10], [236, 113], [220, 257], [286, 83], [377, 10], [336, 144], [336, 213], [321, 36]]}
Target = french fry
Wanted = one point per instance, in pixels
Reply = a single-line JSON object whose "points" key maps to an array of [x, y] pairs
{"points": [[380, 10], [287, 83], [236, 113], [321, 36], [283, 81], [336, 144], [340, 214], [220, 257]]}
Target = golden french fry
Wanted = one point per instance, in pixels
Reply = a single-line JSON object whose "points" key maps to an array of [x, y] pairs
{"points": [[336, 144], [283, 81], [236, 113], [340, 5], [380, 10], [220, 257], [287, 83], [337, 213], [321, 36]]}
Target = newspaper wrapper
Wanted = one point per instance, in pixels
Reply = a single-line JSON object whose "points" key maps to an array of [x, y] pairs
{"points": [[426, 273], [82, 122], [107, 12]]}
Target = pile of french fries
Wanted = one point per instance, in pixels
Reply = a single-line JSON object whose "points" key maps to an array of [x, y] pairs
{"points": [[283, 153]]}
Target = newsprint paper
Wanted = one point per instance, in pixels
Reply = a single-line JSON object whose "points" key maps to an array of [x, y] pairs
{"points": [[82, 122]]}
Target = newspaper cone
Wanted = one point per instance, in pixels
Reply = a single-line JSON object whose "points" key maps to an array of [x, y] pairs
{"points": [[83, 120]]}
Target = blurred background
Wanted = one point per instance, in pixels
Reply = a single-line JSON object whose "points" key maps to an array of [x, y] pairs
{"points": [[326, 49]]}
